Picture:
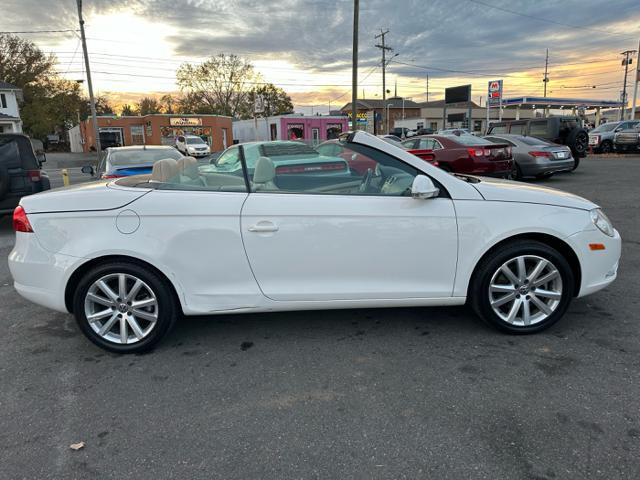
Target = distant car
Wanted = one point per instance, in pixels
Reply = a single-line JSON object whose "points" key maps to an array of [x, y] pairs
{"points": [[360, 164], [535, 157], [192, 145], [288, 157], [627, 140], [21, 171], [402, 132], [565, 130], [601, 138], [455, 131], [425, 131], [467, 154], [135, 160]]}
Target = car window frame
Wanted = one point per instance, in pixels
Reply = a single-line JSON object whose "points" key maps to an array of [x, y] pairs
{"points": [[443, 192]]}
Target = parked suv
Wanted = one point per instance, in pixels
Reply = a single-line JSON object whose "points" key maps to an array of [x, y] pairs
{"points": [[192, 145], [628, 139], [20, 171], [562, 130], [601, 138]]}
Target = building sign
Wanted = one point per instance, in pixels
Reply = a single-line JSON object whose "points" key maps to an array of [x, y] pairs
{"points": [[494, 94], [185, 121], [457, 94]]}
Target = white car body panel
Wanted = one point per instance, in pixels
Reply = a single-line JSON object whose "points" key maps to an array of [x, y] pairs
{"points": [[341, 247], [329, 251]]}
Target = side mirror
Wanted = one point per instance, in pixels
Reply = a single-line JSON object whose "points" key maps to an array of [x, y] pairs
{"points": [[423, 188], [88, 169], [41, 157], [618, 129]]}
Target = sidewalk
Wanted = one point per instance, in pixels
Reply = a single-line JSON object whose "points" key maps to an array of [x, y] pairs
{"points": [[69, 160]]}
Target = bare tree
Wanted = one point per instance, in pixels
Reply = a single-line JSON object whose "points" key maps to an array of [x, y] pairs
{"points": [[222, 84]]}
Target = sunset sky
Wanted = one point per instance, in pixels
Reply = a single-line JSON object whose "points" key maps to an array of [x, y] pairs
{"points": [[304, 46]]}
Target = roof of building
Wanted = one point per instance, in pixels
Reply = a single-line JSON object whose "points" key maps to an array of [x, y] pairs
{"points": [[393, 102], [7, 86], [550, 102], [4, 116], [440, 104]]}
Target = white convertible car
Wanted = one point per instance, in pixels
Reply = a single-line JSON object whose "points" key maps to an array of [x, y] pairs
{"points": [[127, 256]]}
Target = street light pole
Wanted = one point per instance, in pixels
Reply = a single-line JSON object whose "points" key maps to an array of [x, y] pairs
{"points": [[354, 66], [384, 48], [92, 100], [635, 87], [625, 62]]}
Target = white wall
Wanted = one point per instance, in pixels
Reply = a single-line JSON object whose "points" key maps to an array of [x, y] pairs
{"points": [[75, 139], [11, 110], [252, 130]]}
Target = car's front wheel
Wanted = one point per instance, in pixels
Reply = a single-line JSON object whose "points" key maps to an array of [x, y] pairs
{"points": [[124, 307], [525, 287]]}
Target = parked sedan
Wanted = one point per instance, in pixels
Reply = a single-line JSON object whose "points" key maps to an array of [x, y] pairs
{"points": [[129, 256], [135, 160], [467, 154], [360, 164], [535, 157]]}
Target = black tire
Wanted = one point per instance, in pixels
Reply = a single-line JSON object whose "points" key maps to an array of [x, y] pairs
{"points": [[167, 306], [578, 142], [4, 182], [576, 162], [518, 172], [606, 147], [479, 286]]}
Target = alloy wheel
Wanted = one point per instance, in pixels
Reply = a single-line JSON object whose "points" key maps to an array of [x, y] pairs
{"points": [[525, 290], [121, 308]]}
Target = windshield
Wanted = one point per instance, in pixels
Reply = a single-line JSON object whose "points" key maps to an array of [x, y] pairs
{"points": [[605, 127], [142, 156], [469, 140], [194, 140]]}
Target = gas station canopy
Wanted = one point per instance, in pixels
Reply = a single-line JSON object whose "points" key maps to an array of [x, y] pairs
{"points": [[557, 103]]}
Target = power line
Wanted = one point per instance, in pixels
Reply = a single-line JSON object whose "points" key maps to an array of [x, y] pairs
{"points": [[579, 27], [39, 31]]}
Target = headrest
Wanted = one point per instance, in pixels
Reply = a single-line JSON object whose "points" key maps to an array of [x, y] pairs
{"points": [[265, 170], [164, 170], [188, 167]]}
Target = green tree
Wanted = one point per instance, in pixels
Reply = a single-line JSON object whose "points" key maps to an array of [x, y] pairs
{"points": [[128, 110], [49, 103], [272, 99], [169, 103], [148, 105], [222, 85]]}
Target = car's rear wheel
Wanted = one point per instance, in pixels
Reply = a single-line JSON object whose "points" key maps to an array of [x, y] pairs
{"points": [[124, 307], [524, 288]]}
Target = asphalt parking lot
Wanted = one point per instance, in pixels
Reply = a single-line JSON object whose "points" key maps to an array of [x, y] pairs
{"points": [[397, 393]]}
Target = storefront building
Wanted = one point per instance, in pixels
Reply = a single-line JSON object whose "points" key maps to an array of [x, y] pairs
{"points": [[155, 129], [311, 129]]}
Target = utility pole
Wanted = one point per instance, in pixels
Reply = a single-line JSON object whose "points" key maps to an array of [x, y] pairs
{"points": [[354, 66], [545, 80], [635, 87], [382, 46], [626, 63], [92, 100], [427, 87]]}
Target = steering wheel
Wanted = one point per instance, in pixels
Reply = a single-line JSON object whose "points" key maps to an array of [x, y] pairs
{"points": [[366, 181]]}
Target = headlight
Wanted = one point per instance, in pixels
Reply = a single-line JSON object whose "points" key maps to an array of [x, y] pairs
{"points": [[601, 221]]}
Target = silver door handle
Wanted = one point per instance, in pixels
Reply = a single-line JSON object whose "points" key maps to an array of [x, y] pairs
{"points": [[263, 228]]}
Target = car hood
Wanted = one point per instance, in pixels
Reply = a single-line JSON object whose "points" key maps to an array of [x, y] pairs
{"points": [[509, 191], [82, 197]]}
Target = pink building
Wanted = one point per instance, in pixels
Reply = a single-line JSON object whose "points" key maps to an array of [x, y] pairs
{"points": [[312, 129]]}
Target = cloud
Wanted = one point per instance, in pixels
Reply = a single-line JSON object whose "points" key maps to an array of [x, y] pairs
{"points": [[315, 35]]}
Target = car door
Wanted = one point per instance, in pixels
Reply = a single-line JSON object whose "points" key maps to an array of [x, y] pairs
{"points": [[362, 237]]}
